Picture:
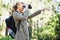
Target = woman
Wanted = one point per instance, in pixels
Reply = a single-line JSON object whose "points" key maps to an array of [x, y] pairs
{"points": [[20, 18]]}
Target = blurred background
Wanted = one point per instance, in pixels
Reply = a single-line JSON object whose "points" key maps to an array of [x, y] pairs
{"points": [[45, 26]]}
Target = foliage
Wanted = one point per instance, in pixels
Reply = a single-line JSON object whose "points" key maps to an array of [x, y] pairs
{"points": [[30, 28], [6, 38], [46, 32], [57, 29]]}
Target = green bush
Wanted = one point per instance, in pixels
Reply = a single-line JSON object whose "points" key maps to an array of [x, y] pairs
{"points": [[6, 38], [48, 31], [57, 29]]}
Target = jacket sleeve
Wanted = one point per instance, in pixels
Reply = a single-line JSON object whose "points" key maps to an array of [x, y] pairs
{"points": [[34, 14], [19, 16], [26, 12]]}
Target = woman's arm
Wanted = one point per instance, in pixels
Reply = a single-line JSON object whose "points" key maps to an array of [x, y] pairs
{"points": [[19, 16], [34, 14]]}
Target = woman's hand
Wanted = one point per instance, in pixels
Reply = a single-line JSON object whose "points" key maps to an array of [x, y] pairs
{"points": [[45, 9], [42, 10]]}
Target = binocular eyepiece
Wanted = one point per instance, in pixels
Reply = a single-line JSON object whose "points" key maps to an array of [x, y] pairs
{"points": [[29, 6]]}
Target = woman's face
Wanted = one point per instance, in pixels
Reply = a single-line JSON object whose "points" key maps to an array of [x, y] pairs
{"points": [[20, 6]]}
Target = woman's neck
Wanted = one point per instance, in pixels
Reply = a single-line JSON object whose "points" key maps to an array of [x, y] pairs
{"points": [[19, 11]]}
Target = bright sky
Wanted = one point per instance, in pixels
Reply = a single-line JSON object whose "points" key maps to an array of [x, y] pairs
{"points": [[56, 0], [7, 1]]}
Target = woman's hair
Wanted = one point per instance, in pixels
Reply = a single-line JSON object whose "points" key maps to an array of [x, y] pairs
{"points": [[14, 7]]}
